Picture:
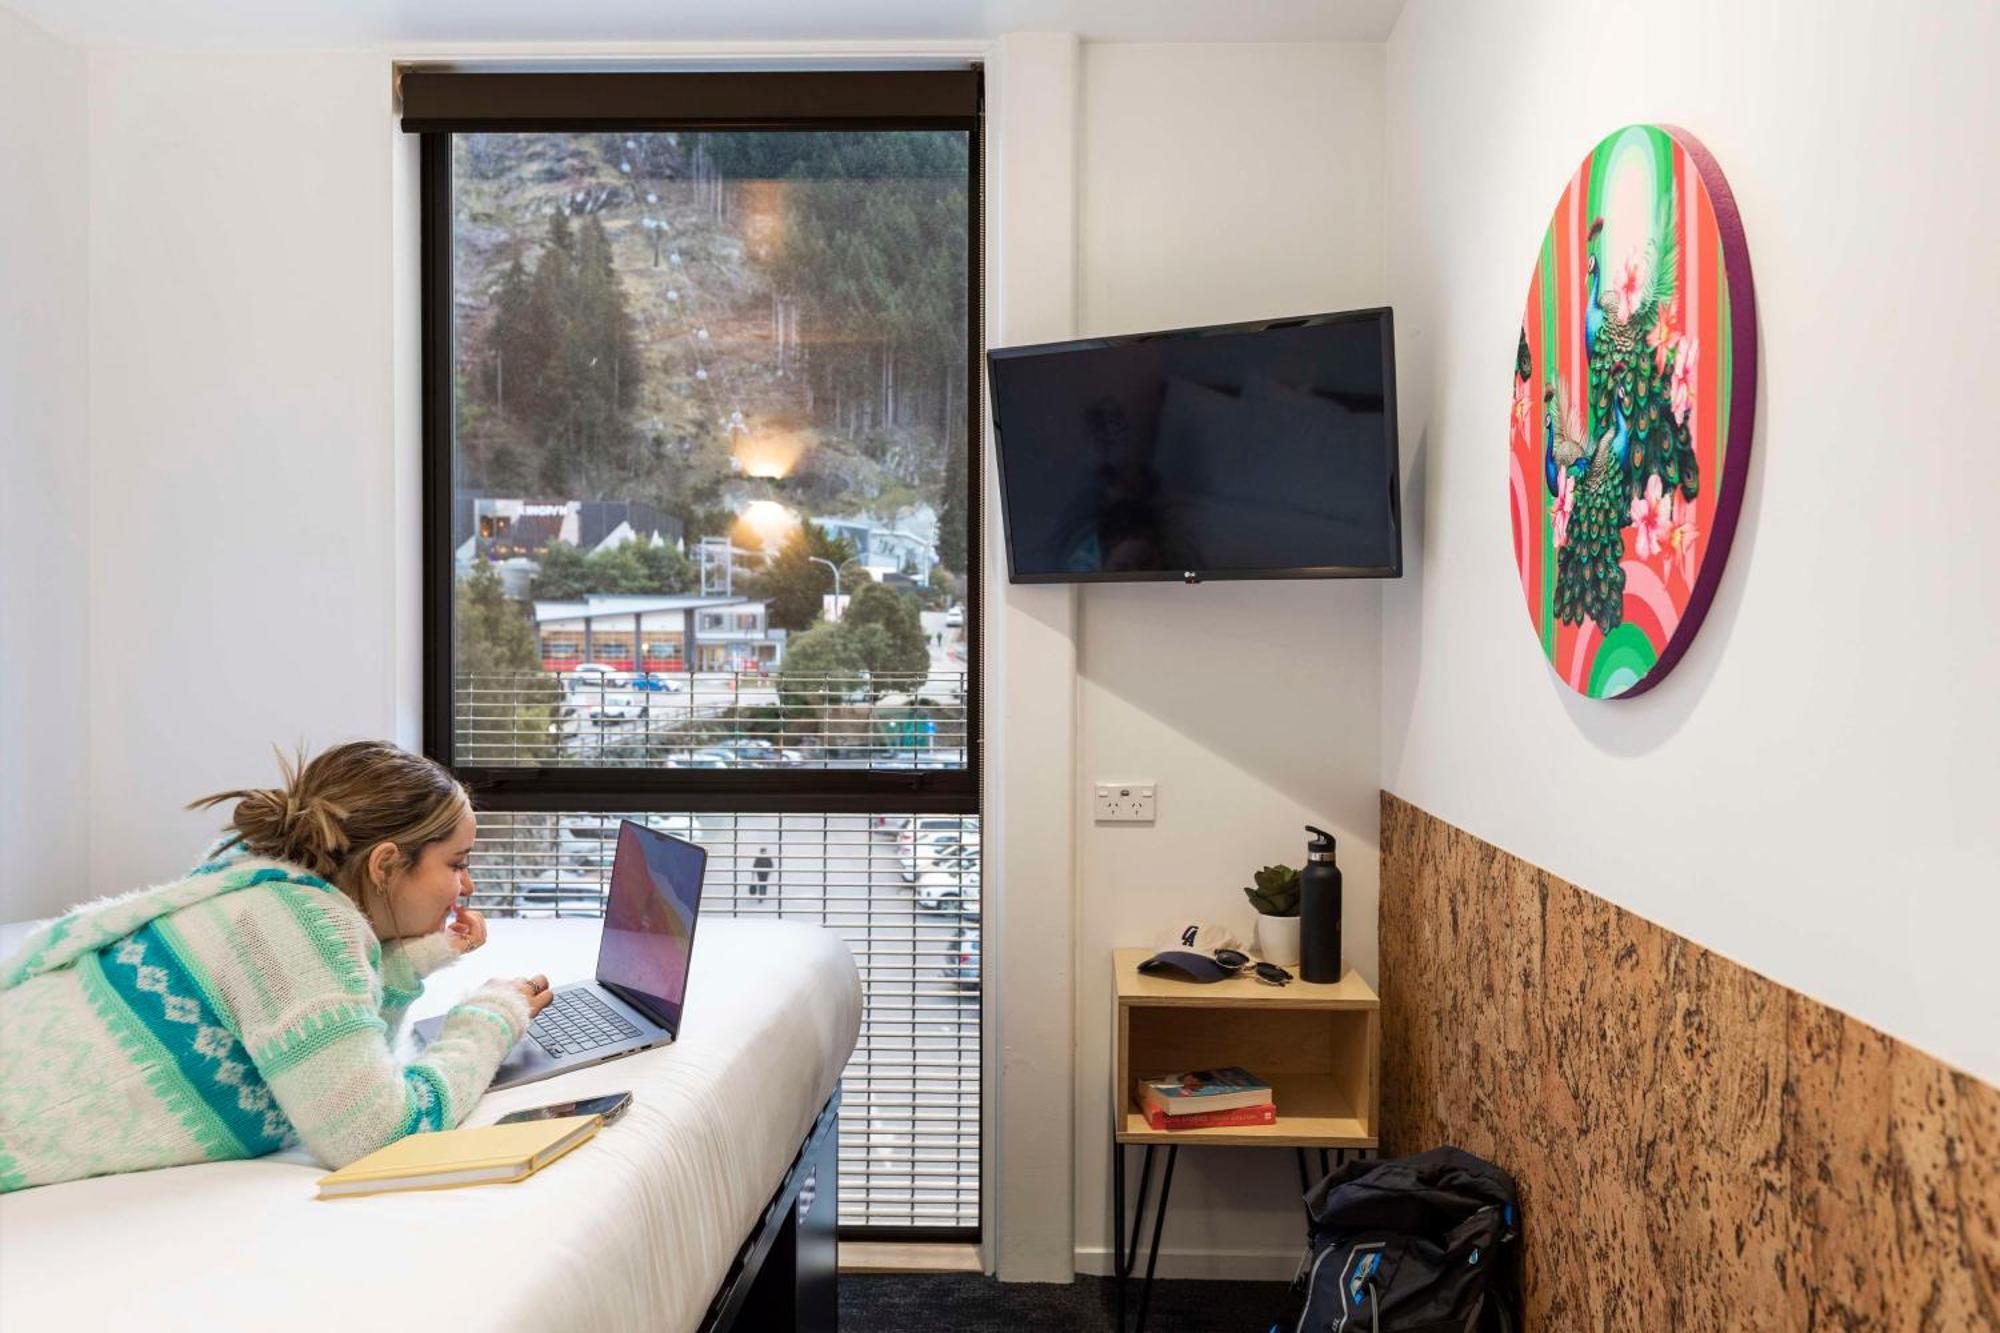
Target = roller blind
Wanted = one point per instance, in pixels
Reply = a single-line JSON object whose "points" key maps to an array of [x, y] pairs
{"points": [[451, 101]]}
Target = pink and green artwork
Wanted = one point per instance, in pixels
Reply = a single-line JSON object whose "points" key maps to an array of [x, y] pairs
{"points": [[1634, 382]]}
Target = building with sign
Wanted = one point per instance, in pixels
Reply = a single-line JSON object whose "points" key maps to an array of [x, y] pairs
{"points": [[653, 633]]}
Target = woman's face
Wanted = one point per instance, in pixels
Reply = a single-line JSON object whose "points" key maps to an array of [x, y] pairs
{"points": [[419, 897]]}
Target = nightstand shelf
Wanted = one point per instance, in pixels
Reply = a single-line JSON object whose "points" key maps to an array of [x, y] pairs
{"points": [[1316, 1114], [1318, 1046]]}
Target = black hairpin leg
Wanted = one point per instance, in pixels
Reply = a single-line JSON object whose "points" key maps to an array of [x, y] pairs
{"points": [[1125, 1252], [1305, 1182], [1153, 1253]]}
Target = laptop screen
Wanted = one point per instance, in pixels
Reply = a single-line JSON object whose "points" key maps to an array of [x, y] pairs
{"points": [[649, 921]]}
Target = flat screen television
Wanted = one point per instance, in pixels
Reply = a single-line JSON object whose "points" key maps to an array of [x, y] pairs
{"points": [[1239, 451]]}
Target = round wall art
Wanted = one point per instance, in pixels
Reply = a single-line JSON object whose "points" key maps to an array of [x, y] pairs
{"points": [[1634, 383]]}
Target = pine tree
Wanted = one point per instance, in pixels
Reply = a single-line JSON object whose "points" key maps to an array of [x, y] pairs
{"points": [[513, 354], [498, 655], [792, 586], [952, 506], [900, 658]]}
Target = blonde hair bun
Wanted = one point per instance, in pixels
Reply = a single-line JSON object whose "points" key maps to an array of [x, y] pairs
{"points": [[333, 809]]}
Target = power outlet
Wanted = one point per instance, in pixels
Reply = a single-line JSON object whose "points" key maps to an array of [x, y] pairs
{"points": [[1124, 803]]}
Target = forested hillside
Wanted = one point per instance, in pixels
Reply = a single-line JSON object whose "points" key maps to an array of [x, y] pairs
{"points": [[698, 321]]}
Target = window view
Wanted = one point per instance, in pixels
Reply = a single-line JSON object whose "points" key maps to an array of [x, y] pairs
{"points": [[710, 510], [710, 497]]}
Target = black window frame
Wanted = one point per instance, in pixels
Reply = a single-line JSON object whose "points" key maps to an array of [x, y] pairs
{"points": [[440, 103]]}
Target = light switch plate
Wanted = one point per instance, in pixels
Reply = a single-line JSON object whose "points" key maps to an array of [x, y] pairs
{"points": [[1124, 803]]}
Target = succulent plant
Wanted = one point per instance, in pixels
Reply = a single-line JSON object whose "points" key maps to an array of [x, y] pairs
{"points": [[1277, 891]]}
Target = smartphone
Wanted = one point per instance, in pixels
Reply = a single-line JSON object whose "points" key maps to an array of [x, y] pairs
{"points": [[610, 1106]]}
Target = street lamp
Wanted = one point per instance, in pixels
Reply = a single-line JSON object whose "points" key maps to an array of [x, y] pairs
{"points": [[836, 581]]}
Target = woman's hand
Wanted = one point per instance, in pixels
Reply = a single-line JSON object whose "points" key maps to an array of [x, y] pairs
{"points": [[535, 988], [467, 931]]}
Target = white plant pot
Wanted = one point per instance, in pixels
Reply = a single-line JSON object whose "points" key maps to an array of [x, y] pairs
{"points": [[1278, 939]]}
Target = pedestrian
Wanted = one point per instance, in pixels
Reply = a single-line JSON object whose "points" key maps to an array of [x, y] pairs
{"points": [[761, 868]]}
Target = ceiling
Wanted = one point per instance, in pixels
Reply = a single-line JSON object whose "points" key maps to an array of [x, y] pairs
{"points": [[293, 24]]}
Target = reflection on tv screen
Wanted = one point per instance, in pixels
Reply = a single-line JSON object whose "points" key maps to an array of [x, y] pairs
{"points": [[1234, 452]]}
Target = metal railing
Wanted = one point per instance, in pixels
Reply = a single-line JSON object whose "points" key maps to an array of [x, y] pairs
{"points": [[711, 719], [902, 891]]}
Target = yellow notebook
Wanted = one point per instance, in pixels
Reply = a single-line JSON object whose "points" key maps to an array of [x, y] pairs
{"points": [[454, 1157]]}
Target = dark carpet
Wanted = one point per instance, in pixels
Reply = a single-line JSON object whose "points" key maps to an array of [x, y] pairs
{"points": [[969, 1303]]}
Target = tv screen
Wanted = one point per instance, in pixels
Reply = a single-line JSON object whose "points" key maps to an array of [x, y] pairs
{"points": [[1264, 450]]}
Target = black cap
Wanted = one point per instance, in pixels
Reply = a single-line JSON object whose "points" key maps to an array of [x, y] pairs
{"points": [[1181, 965], [1321, 841]]}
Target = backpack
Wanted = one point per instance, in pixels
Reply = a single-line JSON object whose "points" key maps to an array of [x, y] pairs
{"points": [[1414, 1245]]}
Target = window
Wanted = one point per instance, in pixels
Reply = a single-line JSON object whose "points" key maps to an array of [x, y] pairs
{"points": [[701, 383]]}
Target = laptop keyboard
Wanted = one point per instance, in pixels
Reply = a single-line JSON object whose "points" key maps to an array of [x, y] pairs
{"points": [[577, 1021]]}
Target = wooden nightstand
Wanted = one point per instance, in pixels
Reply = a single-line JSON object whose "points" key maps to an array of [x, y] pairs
{"points": [[1319, 1047]]}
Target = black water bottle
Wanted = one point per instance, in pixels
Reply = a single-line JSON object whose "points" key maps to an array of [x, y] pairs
{"points": [[1319, 910]]}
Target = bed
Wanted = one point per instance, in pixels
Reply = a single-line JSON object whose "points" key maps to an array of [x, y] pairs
{"points": [[709, 1205]]}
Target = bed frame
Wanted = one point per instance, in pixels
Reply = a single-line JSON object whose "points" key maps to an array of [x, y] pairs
{"points": [[787, 1275]]}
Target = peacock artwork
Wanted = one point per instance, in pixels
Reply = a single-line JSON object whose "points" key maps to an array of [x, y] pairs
{"points": [[1634, 381]]}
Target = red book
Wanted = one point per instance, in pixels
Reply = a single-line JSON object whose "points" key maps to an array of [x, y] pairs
{"points": [[1267, 1114]]}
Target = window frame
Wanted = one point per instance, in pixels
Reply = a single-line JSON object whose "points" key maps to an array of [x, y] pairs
{"points": [[455, 102], [472, 102]]}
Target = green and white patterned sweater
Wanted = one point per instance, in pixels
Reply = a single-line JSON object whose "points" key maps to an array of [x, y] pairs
{"points": [[227, 1015]]}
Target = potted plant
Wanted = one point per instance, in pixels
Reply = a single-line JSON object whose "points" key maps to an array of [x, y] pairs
{"points": [[1276, 898]]}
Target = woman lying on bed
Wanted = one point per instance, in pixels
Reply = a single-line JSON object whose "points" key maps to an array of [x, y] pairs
{"points": [[255, 1002]]}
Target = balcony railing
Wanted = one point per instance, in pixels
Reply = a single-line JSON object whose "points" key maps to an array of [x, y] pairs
{"points": [[711, 719]]}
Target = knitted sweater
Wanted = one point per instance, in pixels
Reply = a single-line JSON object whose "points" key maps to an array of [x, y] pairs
{"points": [[224, 1015]]}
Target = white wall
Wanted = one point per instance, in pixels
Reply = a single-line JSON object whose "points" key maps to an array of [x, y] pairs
{"points": [[45, 554], [1219, 183], [244, 588], [1826, 759]]}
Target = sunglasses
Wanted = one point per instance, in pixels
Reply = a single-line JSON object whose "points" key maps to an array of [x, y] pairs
{"points": [[1268, 973]]}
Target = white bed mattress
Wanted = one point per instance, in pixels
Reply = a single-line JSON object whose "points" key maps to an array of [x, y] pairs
{"points": [[633, 1231]]}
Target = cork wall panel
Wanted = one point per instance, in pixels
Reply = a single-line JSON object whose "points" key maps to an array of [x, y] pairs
{"points": [[1697, 1146]]}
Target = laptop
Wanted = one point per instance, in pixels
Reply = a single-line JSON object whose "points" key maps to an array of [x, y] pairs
{"points": [[642, 966]]}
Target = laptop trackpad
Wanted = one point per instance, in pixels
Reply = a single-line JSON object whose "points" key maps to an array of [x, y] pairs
{"points": [[525, 1062]]}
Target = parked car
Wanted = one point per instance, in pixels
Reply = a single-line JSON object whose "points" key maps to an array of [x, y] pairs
{"points": [[964, 969], [950, 880], [938, 850], [955, 618], [652, 682], [931, 836], [602, 694]]}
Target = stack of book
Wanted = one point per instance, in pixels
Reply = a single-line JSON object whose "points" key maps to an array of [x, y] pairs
{"points": [[1206, 1099]]}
